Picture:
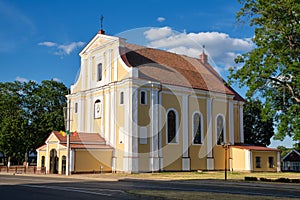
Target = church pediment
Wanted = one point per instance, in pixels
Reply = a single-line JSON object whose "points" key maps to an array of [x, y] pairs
{"points": [[99, 41]]}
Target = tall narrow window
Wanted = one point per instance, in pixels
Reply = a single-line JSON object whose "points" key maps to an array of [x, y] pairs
{"points": [[43, 161], [99, 72], [171, 127], [220, 130], [76, 108], [257, 162], [197, 129], [271, 162], [121, 97], [143, 97]]}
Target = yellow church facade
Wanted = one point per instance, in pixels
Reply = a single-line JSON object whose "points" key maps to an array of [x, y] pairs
{"points": [[157, 111]]}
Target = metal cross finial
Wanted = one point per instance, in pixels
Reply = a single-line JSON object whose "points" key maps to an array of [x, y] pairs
{"points": [[101, 20]]}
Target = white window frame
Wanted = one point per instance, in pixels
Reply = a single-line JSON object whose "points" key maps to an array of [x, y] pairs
{"points": [[216, 129], [193, 131], [176, 127]]}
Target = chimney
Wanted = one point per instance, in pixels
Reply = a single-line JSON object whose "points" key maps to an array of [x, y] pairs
{"points": [[203, 56]]}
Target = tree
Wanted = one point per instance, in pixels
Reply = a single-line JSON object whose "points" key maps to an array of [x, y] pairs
{"points": [[28, 113], [257, 131], [271, 70]]}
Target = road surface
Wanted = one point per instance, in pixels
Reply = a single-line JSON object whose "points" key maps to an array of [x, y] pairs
{"points": [[65, 188]]}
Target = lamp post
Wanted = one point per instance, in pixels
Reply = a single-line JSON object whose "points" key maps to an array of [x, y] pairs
{"points": [[226, 147]]}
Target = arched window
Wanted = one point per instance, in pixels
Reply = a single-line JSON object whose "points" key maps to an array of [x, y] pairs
{"points": [[143, 97], [197, 129], [171, 127], [220, 130], [97, 109]]}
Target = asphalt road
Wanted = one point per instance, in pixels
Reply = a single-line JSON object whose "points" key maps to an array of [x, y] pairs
{"points": [[60, 188]]}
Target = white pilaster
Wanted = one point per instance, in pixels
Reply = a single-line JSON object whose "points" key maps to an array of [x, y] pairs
{"points": [[81, 115], [134, 129], [83, 72], [47, 158], [154, 158], [113, 117], [107, 116], [278, 162], [209, 136], [231, 122], [90, 114], [116, 50], [241, 123], [160, 125], [185, 133], [248, 160]]}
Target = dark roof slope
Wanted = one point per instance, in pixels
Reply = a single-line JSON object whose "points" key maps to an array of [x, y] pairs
{"points": [[174, 69]]}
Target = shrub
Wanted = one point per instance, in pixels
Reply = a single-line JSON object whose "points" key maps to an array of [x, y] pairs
{"points": [[249, 178]]}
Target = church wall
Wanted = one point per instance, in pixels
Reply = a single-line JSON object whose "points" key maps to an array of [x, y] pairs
{"points": [[238, 159], [172, 161], [95, 158], [197, 152]]}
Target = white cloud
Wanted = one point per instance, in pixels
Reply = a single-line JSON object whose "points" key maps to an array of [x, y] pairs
{"points": [[161, 19], [47, 44], [219, 46], [62, 49], [155, 34], [21, 79], [67, 49]]}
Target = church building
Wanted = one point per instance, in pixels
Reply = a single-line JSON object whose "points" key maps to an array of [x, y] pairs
{"points": [[139, 109]]}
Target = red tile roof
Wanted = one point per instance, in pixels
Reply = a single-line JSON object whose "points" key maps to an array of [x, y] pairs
{"points": [[81, 138], [83, 141], [256, 148], [174, 69]]}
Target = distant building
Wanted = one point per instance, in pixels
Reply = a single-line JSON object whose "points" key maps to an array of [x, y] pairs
{"points": [[156, 110], [291, 161]]}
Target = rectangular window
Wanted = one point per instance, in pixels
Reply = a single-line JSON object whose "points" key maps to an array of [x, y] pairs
{"points": [[143, 97], [76, 108], [122, 98], [258, 162], [271, 162], [99, 72]]}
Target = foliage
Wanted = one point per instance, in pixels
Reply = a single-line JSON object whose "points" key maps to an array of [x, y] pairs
{"points": [[272, 69], [28, 113], [283, 150], [256, 130]]}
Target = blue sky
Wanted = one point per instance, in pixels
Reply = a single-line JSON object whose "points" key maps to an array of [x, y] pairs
{"points": [[41, 40]]}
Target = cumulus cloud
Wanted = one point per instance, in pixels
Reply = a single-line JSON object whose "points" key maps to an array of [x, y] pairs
{"points": [[221, 48], [161, 19], [157, 34], [56, 79], [62, 49]]}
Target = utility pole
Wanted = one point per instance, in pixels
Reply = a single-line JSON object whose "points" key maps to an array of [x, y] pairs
{"points": [[68, 131]]}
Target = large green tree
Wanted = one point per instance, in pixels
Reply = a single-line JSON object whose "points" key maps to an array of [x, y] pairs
{"points": [[271, 70], [256, 130], [28, 113]]}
